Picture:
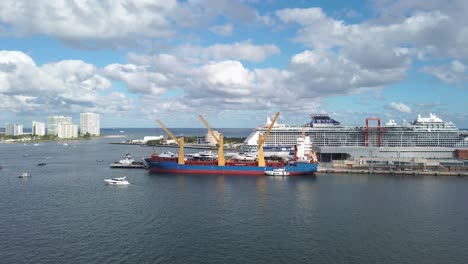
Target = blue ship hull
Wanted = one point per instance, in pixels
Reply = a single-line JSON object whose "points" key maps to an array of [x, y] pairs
{"points": [[171, 166]]}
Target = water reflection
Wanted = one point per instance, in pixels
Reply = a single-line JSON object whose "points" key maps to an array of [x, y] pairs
{"points": [[180, 179], [220, 190], [261, 191]]}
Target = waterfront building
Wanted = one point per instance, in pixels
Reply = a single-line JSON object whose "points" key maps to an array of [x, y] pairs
{"points": [[90, 123], [210, 140], [38, 128], [14, 129], [149, 138], [53, 121], [67, 130]]}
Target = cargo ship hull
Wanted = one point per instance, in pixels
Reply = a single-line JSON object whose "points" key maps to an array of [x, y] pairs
{"points": [[296, 168]]}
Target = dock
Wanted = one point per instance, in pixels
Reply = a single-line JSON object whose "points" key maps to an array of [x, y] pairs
{"points": [[392, 172]]}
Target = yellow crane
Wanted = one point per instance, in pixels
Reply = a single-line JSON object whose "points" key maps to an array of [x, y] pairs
{"points": [[219, 140], [179, 141], [261, 141]]}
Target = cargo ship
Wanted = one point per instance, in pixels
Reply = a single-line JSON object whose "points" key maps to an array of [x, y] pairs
{"points": [[304, 161]]}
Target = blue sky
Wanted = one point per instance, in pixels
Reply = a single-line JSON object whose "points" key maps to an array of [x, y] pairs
{"points": [[234, 62]]}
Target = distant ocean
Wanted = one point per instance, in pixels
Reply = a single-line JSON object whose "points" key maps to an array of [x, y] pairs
{"points": [[141, 132]]}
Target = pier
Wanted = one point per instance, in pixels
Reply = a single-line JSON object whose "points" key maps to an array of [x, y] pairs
{"points": [[324, 170]]}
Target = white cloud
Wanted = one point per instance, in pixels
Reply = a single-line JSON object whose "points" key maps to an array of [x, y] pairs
{"points": [[138, 79], [89, 20], [59, 87], [453, 73], [400, 107], [323, 73], [380, 52], [436, 30], [224, 30]]}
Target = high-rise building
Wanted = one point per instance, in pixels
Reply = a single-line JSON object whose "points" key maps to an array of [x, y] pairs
{"points": [[53, 121], [38, 128], [90, 123], [14, 129], [67, 130]]}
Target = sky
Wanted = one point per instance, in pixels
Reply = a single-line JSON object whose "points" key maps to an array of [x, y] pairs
{"points": [[233, 62]]}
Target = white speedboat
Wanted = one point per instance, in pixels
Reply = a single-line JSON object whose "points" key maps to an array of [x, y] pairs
{"points": [[117, 181], [277, 172], [24, 175]]}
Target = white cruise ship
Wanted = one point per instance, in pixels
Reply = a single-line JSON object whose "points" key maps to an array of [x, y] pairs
{"points": [[425, 137]]}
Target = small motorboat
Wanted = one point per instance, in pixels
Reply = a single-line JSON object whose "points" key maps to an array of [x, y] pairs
{"points": [[117, 181], [277, 172], [24, 175]]}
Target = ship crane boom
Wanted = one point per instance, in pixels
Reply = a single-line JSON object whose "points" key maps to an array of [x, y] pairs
{"points": [[179, 141], [261, 141], [219, 140]]}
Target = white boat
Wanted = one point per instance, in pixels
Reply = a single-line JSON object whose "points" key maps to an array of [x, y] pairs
{"points": [[128, 162], [24, 175], [203, 155], [117, 181], [167, 154], [248, 156], [277, 172]]}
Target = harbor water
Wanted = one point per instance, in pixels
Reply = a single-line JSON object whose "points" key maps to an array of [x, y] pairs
{"points": [[65, 213]]}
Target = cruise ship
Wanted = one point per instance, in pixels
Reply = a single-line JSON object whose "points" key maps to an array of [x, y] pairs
{"points": [[425, 137]]}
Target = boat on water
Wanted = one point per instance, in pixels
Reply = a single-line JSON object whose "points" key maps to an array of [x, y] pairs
{"points": [[277, 172], [117, 181], [24, 175], [128, 162], [425, 137], [42, 164], [203, 155], [304, 162]]}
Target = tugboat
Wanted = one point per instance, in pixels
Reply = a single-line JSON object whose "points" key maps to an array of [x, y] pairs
{"points": [[128, 162]]}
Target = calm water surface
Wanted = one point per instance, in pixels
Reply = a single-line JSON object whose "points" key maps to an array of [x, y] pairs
{"points": [[66, 214]]}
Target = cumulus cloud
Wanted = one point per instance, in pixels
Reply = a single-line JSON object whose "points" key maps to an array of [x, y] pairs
{"points": [[227, 84], [137, 78], [322, 73], [76, 21], [453, 73], [421, 31], [400, 107], [56, 87]]}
